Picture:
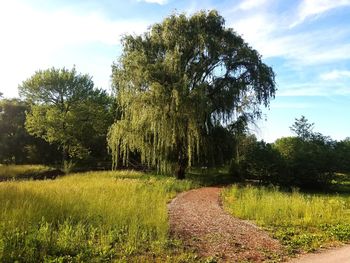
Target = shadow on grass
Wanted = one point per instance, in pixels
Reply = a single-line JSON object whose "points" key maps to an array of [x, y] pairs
{"points": [[211, 176], [6, 174], [221, 177]]}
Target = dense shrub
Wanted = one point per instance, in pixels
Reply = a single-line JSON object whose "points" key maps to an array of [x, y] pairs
{"points": [[307, 163], [291, 161], [258, 161], [342, 155]]}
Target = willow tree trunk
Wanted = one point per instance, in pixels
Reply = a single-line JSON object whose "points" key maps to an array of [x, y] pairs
{"points": [[180, 171], [181, 165]]}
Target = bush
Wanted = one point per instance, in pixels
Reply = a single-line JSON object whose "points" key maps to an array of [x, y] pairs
{"points": [[259, 161], [307, 163], [290, 161]]}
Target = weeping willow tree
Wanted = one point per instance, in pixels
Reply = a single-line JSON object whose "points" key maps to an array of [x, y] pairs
{"points": [[179, 81]]}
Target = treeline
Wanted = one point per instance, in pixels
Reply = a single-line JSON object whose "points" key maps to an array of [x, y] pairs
{"points": [[184, 93], [61, 119], [307, 160], [17, 146]]}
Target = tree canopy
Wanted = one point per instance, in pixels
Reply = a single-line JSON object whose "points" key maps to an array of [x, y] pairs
{"points": [[13, 136], [66, 110], [16, 145], [177, 82]]}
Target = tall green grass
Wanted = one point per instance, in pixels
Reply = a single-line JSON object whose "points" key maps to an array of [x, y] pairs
{"points": [[92, 217], [21, 171], [300, 221]]}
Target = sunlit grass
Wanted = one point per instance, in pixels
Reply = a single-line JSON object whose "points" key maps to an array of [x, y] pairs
{"points": [[300, 221], [96, 216]]}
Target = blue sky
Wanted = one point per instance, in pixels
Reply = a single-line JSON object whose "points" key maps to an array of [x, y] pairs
{"points": [[307, 42]]}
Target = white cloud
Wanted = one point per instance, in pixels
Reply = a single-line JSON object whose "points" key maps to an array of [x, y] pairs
{"points": [[312, 8], [271, 36], [31, 39], [270, 33], [290, 105], [314, 89], [159, 2], [255, 29], [312, 48], [251, 4], [335, 75]]}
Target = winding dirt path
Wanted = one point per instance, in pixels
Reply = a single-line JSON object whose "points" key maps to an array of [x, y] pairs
{"points": [[198, 219]]}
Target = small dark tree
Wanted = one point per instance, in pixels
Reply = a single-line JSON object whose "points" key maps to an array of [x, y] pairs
{"points": [[302, 128]]}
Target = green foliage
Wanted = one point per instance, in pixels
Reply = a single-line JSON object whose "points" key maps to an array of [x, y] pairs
{"points": [[256, 160], [92, 217], [175, 84], [342, 155], [299, 221], [219, 148], [16, 145], [302, 128], [13, 136], [308, 163], [68, 111]]}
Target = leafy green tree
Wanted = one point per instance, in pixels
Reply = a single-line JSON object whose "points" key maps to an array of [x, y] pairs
{"points": [[16, 145], [66, 110], [257, 160], [308, 163], [177, 82]]}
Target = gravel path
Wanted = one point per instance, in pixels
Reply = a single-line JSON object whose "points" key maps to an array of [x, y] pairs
{"points": [[198, 219]]}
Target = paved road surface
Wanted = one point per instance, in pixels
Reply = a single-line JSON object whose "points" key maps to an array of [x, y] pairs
{"points": [[336, 255]]}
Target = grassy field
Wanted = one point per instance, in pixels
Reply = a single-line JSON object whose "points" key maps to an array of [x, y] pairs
{"points": [[300, 221], [14, 172], [91, 217], [122, 216]]}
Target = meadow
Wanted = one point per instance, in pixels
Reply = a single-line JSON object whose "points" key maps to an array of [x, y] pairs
{"points": [[301, 221], [90, 217], [121, 216], [15, 172]]}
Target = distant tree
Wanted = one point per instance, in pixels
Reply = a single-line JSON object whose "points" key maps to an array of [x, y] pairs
{"points": [[66, 110], [342, 155], [1, 94], [16, 145], [302, 128], [257, 160], [243, 143], [13, 136], [178, 82], [219, 147], [308, 163]]}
